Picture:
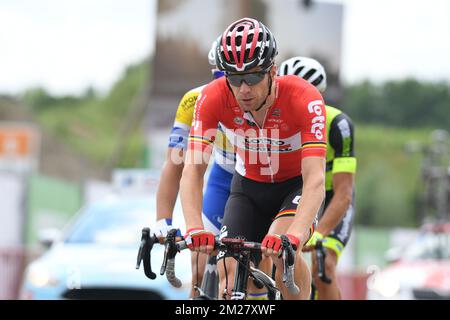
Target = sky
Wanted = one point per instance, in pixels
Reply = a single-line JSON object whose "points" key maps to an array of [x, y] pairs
{"points": [[67, 46]]}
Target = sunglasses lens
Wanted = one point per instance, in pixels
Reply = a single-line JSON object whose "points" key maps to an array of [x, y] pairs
{"points": [[250, 78]]}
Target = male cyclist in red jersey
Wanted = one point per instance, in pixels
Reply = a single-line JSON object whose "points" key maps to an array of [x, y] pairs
{"points": [[277, 126], [217, 190], [335, 224]]}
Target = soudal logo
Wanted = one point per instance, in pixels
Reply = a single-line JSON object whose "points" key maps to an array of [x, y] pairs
{"points": [[318, 122], [264, 141], [268, 149]]}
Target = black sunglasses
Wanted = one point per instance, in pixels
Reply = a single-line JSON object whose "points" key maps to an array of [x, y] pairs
{"points": [[250, 78]]}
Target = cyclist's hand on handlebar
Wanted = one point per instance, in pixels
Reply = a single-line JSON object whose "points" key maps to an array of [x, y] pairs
{"points": [[198, 239], [271, 244], [163, 226], [316, 236]]}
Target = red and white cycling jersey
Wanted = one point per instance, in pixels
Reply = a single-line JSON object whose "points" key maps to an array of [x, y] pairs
{"points": [[294, 128]]}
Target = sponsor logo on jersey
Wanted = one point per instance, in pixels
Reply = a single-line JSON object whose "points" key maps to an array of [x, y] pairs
{"points": [[275, 120], [264, 144], [239, 121], [189, 101], [276, 112], [201, 98], [318, 122]]}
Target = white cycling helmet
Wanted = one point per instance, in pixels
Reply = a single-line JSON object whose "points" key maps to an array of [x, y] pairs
{"points": [[216, 73], [212, 54], [309, 69]]}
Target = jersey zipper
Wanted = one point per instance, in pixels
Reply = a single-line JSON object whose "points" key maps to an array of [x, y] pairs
{"points": [[261, 135]]}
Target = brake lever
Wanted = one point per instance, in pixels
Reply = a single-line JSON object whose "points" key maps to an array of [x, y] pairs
{"points": [[288, 255], [321, 255], [170, 249], [144, 253]]}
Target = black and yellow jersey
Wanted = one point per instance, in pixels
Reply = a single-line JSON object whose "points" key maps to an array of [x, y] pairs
{"points": [[340, 145]]}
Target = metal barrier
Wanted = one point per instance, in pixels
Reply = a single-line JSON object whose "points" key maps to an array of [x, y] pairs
{"points": [[12, 265], [353, 285]]}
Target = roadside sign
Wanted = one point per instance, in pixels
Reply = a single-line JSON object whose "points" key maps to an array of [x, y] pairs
{"points": [[19, 147]]}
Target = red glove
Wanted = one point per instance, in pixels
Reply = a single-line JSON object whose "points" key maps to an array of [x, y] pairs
{"points": [[196, 237], [273, 241], [295, 242]]}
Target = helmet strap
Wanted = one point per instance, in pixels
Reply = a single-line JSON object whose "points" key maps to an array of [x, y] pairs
{"points": [[268, 93]]}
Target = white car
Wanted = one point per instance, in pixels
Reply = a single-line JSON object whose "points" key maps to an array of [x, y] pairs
{"points": [[421, 271], [96, 258]]}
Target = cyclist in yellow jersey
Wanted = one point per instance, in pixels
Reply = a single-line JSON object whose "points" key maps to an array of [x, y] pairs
{"points": [[218, 185], [335, 224]]}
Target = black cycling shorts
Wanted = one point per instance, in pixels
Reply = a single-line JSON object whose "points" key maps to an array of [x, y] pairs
{"points": [[252, 206]]}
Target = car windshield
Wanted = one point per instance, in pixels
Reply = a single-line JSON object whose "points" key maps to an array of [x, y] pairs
{"points": [[435, 246], [117, 223]]}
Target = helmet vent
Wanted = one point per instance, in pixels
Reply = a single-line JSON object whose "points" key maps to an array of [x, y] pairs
{"points": [[297, 72], [317, 81], [309, 74]]}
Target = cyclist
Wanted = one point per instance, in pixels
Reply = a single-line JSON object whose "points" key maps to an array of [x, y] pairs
{"points": [[277, 126], [335, 224], [218, 186]]}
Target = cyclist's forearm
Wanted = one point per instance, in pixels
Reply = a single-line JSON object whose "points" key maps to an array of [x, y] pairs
{"points": [[168, 190], [191, 192], [334, 212], [343, 183]]}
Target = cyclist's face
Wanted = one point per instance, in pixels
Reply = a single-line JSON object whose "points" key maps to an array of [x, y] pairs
{"points": [[253, 88]]}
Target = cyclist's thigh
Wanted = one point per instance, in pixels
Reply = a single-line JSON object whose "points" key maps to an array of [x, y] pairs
{"points": [[249, 209], [287, 212], [215, 197], [253, 205], [243, 219]]}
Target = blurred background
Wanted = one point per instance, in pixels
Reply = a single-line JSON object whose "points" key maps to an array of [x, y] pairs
{"points": [[89, 91]]}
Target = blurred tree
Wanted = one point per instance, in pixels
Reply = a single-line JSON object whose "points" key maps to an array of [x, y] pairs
{"points": [[38, 97], [401, 103]]}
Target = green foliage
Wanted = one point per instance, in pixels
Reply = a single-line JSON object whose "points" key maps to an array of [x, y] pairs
{"points": [[91, 124], [388, 177], [399, 103]]}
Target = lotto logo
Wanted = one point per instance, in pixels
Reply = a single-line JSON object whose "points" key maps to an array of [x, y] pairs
{"points": [[318, 122]]}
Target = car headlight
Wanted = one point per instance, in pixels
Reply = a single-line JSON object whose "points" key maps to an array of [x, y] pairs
{"points": [[41, 277], [386, 286]]}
